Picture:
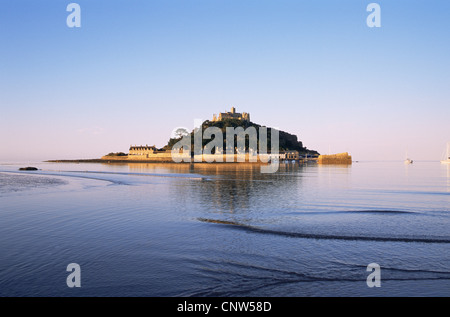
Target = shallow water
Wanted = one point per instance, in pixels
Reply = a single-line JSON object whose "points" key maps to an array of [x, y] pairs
{"points": [[225, 229]]}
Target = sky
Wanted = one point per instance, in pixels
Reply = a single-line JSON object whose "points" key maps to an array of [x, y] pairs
{"points": [[136, 70]]}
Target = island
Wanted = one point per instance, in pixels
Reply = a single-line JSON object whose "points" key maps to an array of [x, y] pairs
{"points": [[290, 148]]}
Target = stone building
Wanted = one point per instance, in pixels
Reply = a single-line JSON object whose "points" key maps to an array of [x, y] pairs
{"points": [[145, 153], [232, 115], [143, 150]]}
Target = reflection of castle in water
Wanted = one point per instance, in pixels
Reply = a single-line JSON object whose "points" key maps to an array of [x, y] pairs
{"points": [[228, 188], [236, 188]]}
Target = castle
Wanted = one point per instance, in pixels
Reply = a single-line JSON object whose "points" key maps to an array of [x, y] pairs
{"points": [[146, 152], [232, 115]]}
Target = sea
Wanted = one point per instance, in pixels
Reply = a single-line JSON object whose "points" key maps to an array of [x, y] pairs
{"points": [[225, 230]]}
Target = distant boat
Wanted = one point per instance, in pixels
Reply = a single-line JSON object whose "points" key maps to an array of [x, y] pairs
{"points": [[447, 156], [408, 160]]}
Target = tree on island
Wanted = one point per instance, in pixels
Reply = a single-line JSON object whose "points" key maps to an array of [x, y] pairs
{"points": [[117, 154], [180, 133]]}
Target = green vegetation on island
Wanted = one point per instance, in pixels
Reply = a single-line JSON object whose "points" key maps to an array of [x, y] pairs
{"points": [[117, 154], [287, 141]]}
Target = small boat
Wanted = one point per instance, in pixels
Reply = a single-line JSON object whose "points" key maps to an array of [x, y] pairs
{"points": [[447, 156], [408, 161]]}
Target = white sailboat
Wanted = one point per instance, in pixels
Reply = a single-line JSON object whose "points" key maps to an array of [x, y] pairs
{"points": [[447, 156], [408, 160]]}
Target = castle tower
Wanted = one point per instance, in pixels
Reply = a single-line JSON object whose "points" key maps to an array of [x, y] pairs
{"points": [[233, 110]]}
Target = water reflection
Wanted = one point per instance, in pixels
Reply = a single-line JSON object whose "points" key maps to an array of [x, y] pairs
{"points": [[240, 188], [156, 167], [331, 174], [241, 171], [447, 166], [232, 188]]}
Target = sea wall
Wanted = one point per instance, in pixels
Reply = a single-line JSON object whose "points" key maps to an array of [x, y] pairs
{"points": [[114, 158], [157, 157], [340, 158], [262, 158], [167, 157]]}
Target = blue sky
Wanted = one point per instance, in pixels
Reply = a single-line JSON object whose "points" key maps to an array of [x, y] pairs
{"points": [[136, 70]]}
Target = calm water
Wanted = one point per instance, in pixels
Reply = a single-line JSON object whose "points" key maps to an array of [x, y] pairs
{"points": [[225, 230]]}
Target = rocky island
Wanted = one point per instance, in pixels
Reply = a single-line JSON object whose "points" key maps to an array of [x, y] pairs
{"points": [[290, 148], [289, 145]]}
